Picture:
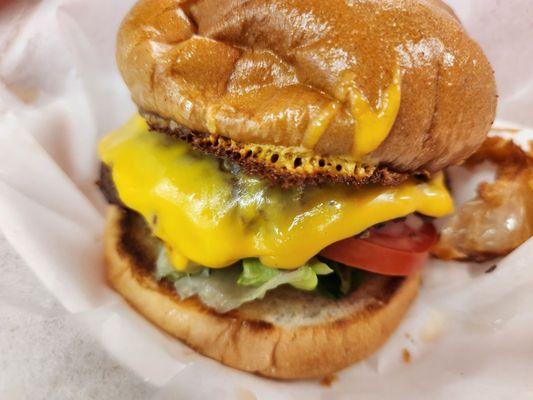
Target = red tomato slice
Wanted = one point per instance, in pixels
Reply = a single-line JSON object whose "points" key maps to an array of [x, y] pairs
{"points": [[395, 249]]}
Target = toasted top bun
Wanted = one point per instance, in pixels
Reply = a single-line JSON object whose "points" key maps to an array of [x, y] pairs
{"points": [[262, 71], [287, 335]]}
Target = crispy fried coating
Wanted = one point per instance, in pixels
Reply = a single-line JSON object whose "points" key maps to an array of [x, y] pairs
{"points": [[500, 218]]}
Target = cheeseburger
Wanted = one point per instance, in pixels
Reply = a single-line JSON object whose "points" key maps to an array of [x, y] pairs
{"points": [[271, 203]]}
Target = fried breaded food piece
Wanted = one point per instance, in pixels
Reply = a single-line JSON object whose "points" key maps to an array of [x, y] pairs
{"points": [[500, 218]]}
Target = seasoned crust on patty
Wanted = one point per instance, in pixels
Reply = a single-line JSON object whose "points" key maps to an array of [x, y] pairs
{"points": [[284, 166]]}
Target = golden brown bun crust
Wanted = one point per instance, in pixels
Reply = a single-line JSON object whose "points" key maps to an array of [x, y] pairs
{"points": [[257, 71], [308, 336]]}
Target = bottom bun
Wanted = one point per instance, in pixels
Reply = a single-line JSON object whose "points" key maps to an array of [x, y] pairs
{"points": [[290, 334]]}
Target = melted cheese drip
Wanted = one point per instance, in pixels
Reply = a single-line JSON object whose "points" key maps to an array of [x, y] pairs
{"points": [[214, 218], [319, 124], [372, 126]]}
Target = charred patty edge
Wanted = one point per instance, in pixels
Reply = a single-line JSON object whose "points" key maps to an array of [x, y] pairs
{"points": [[284, 166]]}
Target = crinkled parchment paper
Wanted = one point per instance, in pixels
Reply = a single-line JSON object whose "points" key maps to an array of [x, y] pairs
{"points": [[469, 335]]}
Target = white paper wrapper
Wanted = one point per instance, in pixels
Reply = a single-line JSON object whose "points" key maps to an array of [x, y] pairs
{"points": [[469, 334]]}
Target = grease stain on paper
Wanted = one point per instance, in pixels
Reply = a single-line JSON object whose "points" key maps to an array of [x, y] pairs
{"points": [[434, 327]]}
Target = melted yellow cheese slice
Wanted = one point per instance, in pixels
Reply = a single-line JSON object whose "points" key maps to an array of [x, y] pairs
{"points": [[214, 217]]}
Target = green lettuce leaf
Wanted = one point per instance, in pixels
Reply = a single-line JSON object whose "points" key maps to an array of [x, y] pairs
{"points": [[220, 290], [340, 283], [254, 273], [164, 269], [228, 288]]}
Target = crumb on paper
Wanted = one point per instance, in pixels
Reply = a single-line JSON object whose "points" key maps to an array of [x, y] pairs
{"points": [[406, 356], [434, 327], [491, 269], [329, 380], [409, 337]]}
